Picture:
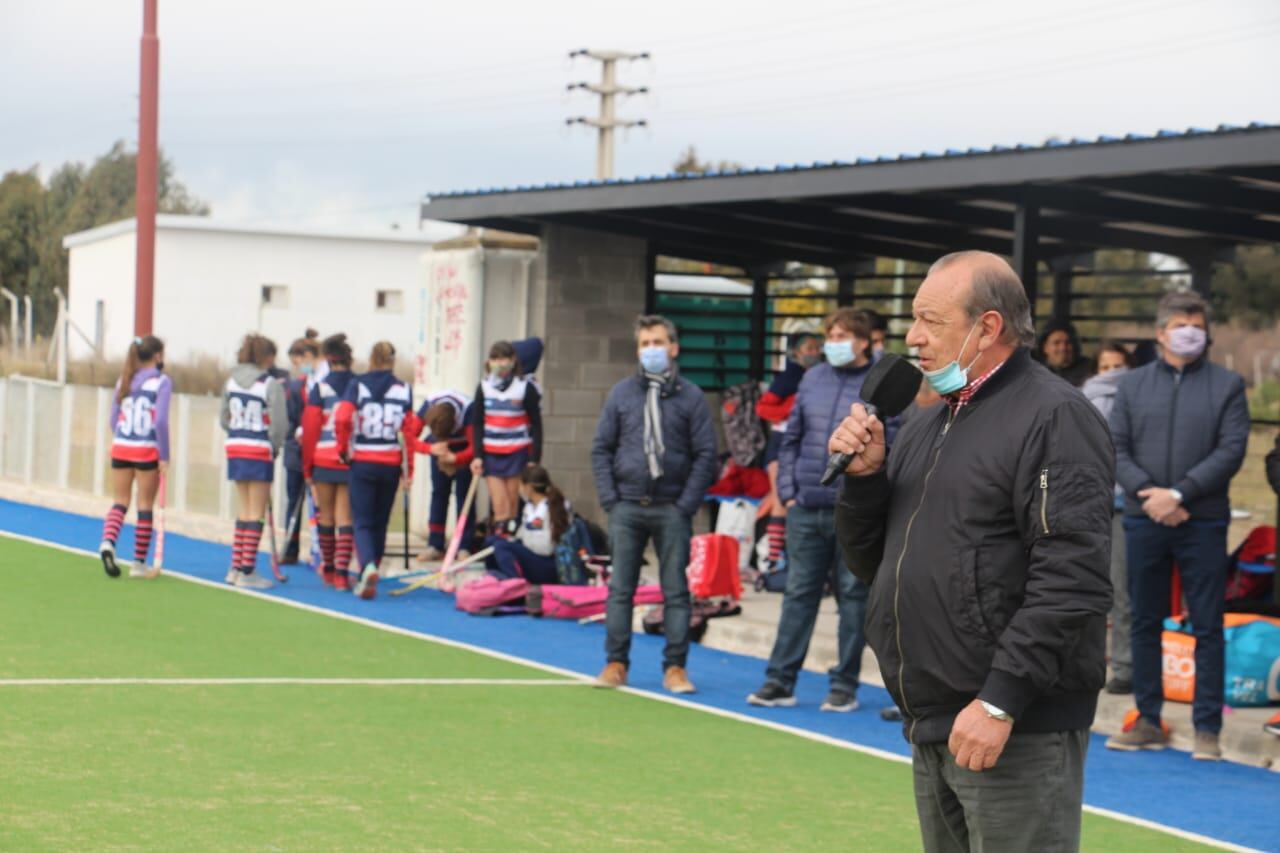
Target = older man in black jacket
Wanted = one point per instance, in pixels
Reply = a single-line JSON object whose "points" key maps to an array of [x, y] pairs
{"points": [[986, 539]]}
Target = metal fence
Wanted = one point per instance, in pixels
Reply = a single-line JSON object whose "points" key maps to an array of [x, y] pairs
{"points": [[57, 436]]}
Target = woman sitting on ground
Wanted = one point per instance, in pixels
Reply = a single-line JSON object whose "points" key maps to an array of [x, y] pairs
{"points": [[544, 519]]}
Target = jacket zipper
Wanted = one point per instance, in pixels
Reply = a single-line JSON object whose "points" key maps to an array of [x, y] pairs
{"points": [[1044, 500], [897, 578], [1173, 411]]}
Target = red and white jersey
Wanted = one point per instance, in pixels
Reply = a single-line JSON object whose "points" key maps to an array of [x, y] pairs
{"points": [[507, 427], [248, 432], [326, 394]]}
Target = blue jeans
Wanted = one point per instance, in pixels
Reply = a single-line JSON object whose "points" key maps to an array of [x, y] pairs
{"points": [[1200, 550], [511, 558], [373, 491], [441, 483], [630, 526], [813, 558]]}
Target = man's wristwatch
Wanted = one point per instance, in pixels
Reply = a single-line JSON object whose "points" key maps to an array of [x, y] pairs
{"points": [[1177, 495], [995, 713]]}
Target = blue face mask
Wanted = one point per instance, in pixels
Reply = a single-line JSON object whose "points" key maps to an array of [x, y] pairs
{"points": [[838, 353], [307, 369], [953, 377], [655, 359]]}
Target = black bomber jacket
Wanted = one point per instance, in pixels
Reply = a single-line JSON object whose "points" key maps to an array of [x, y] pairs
{"points": [[986, 541]]}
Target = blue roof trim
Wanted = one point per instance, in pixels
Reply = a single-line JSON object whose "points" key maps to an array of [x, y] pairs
{"points": [[948, 154]]}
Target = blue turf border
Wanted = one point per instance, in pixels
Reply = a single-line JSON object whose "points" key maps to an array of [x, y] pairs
{"points": [[1225, 801]]}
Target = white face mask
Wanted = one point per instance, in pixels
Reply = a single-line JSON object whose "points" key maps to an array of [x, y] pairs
{"points": [[1188, 341]]}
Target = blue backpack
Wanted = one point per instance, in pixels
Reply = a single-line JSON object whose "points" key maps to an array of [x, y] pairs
{"points": [[572, 552]]}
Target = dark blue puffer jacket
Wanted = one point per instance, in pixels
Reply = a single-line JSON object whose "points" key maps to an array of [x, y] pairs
{"points": [[617, 454], [823, 401]]}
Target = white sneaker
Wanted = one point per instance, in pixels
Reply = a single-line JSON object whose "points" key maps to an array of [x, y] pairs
{"points": [[252, 581], [107, 551], [232, 574], [367, 587], [141, 570]]}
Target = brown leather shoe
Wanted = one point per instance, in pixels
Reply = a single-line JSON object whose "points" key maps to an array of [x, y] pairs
{"points": [[676, 680], [613, 675]]}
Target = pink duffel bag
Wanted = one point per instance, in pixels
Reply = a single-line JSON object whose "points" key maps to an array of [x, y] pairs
{"points": [[558, 601], [488, 592]]}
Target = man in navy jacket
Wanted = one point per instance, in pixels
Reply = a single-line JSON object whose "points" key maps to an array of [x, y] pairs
{"points": [[654, 457], [813, 557], [1180, 424]]}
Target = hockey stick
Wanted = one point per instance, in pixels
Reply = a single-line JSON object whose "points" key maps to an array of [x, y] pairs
{"points": [[275, 555], [458, 529], [418, 581], [159, 528]]}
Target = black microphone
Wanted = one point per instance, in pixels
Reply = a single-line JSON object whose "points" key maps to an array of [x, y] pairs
{"points": [[889, 388]]}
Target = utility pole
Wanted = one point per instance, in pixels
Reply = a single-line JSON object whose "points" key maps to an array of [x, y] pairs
{"points": [[608, 90], [148, 172]]}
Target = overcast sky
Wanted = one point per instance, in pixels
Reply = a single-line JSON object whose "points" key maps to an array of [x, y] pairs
{"points": [[346, 114]]}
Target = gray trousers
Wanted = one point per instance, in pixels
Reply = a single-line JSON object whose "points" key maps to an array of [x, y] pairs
{"points": [[1121, 614], [1031, 800]]}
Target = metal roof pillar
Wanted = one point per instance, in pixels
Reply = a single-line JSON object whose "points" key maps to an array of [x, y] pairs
{"points": [[1026, 236]]}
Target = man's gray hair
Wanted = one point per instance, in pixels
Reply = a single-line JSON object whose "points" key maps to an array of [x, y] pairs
{"points": [[1182, 302], [648, 321], [996, 287]]}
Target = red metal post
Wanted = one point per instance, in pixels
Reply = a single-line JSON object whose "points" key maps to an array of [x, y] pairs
{"points": [[148, 171]]}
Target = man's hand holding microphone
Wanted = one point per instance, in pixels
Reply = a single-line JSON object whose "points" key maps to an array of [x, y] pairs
{"points": [[860, 436]]}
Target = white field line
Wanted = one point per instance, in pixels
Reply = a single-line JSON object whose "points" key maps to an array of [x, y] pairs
{"points": [[657, 697], [306, 682]]}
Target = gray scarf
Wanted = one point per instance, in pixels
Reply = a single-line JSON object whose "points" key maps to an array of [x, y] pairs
{"points": [[654, 449]]}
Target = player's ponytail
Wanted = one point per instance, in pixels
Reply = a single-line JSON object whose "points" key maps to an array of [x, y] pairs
{"points": [[537, 478], [337, 351], [383, 356], [141, 351]]}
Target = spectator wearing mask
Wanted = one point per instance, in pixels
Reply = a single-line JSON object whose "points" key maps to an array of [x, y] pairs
{"points": [[304, 356], [654, 457], [813, 557], [1114, 362], [775, 408], [984, 535], [1059, 350], [1181, 424]]}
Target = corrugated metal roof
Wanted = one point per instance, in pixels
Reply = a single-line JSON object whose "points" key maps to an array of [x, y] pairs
{"points": [[950, 153]]}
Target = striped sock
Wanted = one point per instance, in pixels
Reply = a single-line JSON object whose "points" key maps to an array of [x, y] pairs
{"points": [[342, 550], [237, 549], [327, 546], [252, 538], [777, 533], [142, 536], [114, 521]]}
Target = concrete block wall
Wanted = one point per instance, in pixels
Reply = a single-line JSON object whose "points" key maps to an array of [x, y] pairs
{"points": [[591, 287]]}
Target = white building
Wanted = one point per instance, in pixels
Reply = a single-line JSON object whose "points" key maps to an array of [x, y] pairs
{"points": [[216, 281]]}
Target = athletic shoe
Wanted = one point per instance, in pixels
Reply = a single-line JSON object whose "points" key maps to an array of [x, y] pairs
{"points": [[1207, 747], [140, 570], [676, 680], [431, 555], [1143, 735], [1272, 726], [107, 551], [253, 581], [329, 577], [232, 574], [1119, 686], [614, 674], [367, 586], [839, 701], [341, 582], [891, 714], [772, 695]]}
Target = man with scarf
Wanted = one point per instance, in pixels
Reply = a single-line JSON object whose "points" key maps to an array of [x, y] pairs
{"points": [[654, 456], [1180, 424]]}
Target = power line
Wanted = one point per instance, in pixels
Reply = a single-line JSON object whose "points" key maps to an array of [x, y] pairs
{"points": [[607, 89]]}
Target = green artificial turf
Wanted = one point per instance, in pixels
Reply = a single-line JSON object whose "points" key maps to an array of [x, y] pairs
{"points": [[382, 767]]}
